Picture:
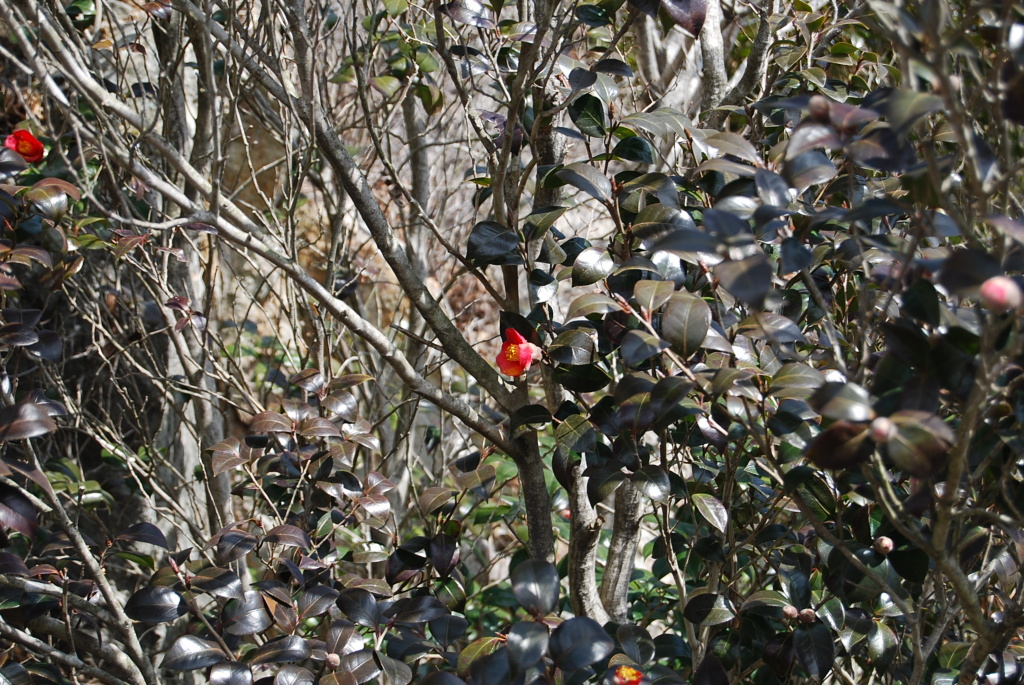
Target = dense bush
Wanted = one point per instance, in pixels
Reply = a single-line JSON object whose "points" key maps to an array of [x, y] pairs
{"points": [[499, 343]]}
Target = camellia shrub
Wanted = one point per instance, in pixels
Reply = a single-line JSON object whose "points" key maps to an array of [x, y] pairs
{"points": [[739, 400]]}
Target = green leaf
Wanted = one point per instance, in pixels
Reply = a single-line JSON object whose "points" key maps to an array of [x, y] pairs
{"points": [[639, 346], [573, 346], [653, 481], [713, 511], [592, 303], [882, 647], [492, 243], [846, 401], [590, 115], [708, 609], [685, 323], [814, 649], [748, 280], [576, 434], [651, 295], [589, 378], [588, 179], [395, 7], [635, 149], [592, 265]]}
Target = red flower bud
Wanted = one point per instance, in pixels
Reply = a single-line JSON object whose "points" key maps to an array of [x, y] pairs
{"points": [[883, 545], [26, 145], [1001, 294], [516, 354], [883, 430]]}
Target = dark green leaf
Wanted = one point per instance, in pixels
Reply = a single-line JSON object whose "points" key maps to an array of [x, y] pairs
{"points": [[527, 643], [576, 434], [247, 616], [362, 666], [492, 243], [189, 653], [146, 532], [593, 264], [528, 418], [591, 303], [535, 584], [635, 149], [590, 115], [543, 286], [653, 481], [476, 650], [708, 609], [847, 401], [748, 280], [573, 346], [814, 649], [282, 649], [579, 642], [710, 672], [588, 179], [713, 511], [24, 420], [685, 323], [651, 295], [639, 346], [220, 582], [589, 378], [230, 673], [155, 604]]}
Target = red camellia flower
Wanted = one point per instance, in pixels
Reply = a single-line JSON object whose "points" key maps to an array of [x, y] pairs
{"points": [[627, 675], [516, 354], [26, 145]]}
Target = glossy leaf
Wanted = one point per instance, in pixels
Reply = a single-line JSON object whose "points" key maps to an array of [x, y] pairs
{"points": [[579, 642], [282, 649], [247, 616], [220, 582], [535, 584], [639, 346], [653, 481], [708, 609], [189, 653], [493, 243], [155, 604], [588, 179], [748, 280], [685, 323], [230, 673], [814, 649], [589, 113]]}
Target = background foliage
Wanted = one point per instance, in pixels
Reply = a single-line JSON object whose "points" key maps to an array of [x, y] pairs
{"points": [[758, 264]]}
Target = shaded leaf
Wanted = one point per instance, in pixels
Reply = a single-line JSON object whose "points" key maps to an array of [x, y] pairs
{"points": [[189, 653], [588, 179], [535, 584], [282, 649], [748, 280], [579, 642], [155, 604]]}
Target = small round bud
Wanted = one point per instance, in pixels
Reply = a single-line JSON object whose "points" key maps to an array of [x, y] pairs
{"points": [[1001, 294], [333, 660], [882, 430], [790, 612], [819, 109], [808, 616], [883, 545]]}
